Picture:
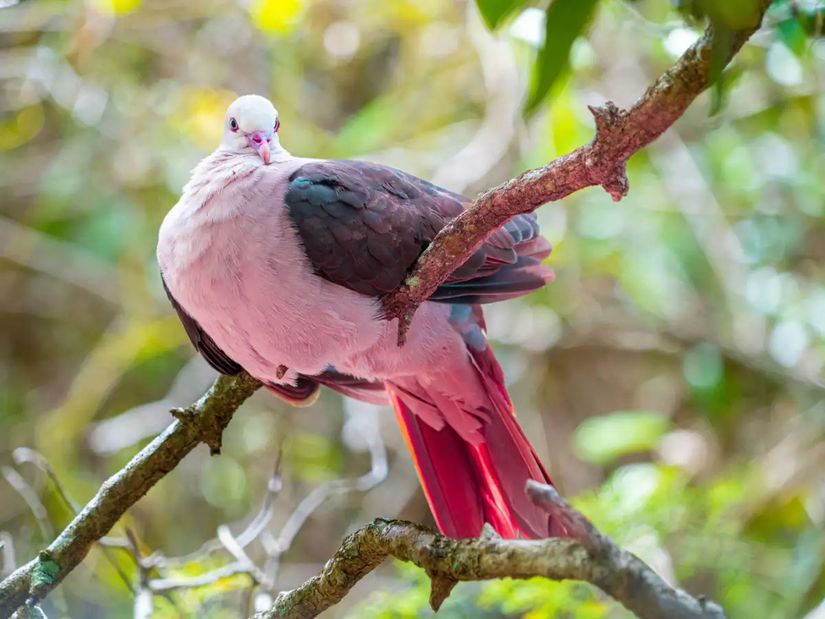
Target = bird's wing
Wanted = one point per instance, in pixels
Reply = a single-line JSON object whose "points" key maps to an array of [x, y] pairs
{"points": [[305, 388], [363, 226], [200, 339]]}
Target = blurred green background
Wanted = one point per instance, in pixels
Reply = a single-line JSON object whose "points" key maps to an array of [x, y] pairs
{"points": [[671, 377]]}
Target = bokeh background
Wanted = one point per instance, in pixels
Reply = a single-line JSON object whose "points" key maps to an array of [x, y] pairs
{"points": [[671, 377]]}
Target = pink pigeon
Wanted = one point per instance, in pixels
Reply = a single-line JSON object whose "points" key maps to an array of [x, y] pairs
{"points": [[277, 264]]}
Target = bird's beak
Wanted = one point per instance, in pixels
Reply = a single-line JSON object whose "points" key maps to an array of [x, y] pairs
{"points": [[259, 140]]}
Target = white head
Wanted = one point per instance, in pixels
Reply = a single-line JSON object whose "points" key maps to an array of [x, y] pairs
{"points": [[251, 125]]}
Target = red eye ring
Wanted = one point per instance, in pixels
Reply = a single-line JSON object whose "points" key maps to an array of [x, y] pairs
{"points": [[277, 125], [233, 124]]}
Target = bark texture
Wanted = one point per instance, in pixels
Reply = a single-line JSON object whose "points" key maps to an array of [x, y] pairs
{"points": [[590, 557], [619, 134]]}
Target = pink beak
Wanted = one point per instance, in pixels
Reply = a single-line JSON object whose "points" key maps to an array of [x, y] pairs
{"points": [[259, 140]]}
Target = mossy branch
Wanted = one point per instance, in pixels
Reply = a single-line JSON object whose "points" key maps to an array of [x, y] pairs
{"points": [[590, 557]]}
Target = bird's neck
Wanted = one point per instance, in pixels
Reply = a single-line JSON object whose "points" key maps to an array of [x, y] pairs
{"points": [[277, 154], [225, 167]]}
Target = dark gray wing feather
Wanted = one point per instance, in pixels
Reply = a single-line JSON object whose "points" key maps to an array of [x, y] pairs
{"points": [[363, 226], [200, 339]]}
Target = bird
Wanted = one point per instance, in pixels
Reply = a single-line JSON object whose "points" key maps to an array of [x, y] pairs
{"points": [[276, 265]]}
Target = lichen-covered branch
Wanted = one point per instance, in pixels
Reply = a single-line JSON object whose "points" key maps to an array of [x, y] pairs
{"points": [[203, 421], [590, 557], [619, 134]]}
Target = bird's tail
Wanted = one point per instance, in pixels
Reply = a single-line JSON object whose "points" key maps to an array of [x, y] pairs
{"points": [[473, 464]]}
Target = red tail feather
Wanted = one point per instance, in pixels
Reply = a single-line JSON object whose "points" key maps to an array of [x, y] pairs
{"points": [[473, 464]]}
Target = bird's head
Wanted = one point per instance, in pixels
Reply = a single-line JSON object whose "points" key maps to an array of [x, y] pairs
{"points": [[251, 125]]}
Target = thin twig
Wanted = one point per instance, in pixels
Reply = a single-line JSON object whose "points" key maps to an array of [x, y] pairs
{"points": [[8, 561], [32, 500], [26, 455], [276, 546], [41, 515], [230, 570], [574, 522], [203, 421], [261, 580]]}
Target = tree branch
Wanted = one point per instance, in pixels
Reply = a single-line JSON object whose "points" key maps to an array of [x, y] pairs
{"points": [[619, 134], [203, 421], [591, 557]]}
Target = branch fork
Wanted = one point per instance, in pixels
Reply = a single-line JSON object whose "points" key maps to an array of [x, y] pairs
{"points": [[619, 134], [210, 430]]}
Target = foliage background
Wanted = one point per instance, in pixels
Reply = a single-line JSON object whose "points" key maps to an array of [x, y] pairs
{"points": [[671, 377]]}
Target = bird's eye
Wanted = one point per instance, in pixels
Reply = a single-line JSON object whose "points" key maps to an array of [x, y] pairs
{"points": [[277, 125], [233, 124]]}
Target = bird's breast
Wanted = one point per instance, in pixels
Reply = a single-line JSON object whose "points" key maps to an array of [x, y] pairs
{"points": [[233, 261]]}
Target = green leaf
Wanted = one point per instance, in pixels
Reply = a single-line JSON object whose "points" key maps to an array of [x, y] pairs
{"points": [[601, 440], [733, 14], [721, 89], [495, 11], [811, 19], [792, 33], [566, 20], [720, 51]]}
